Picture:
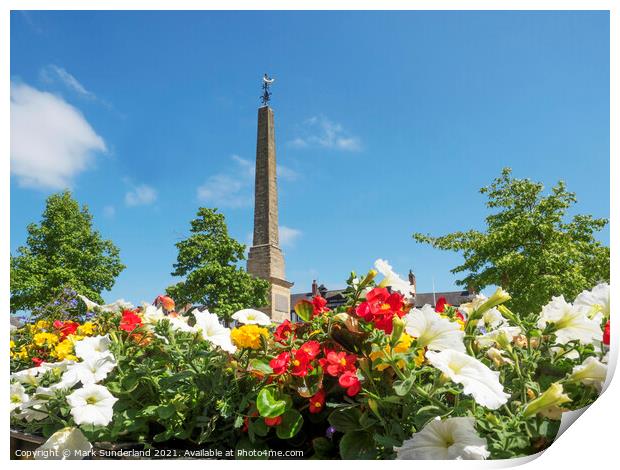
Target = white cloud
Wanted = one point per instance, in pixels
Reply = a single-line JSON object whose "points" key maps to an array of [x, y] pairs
{"points": [[141, 195], [288, 236], [225, 191], [286, 174], [109, 211], [321, 132], [51, 141], [52, 72], [235, 187]]}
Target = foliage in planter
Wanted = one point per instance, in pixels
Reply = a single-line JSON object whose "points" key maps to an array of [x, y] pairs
{"points": [[371, 379]]}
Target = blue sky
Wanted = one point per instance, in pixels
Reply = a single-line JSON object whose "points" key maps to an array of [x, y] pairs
{"points": [[386, 124]]}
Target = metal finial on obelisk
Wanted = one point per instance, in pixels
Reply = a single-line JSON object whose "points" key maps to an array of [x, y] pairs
{"points": [[267, 82]]}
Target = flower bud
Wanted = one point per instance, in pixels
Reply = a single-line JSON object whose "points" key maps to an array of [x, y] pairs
{"points": [[551, 398], [368, 279], [499, 297], [398, 326]]}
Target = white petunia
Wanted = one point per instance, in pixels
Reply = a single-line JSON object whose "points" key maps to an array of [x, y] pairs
{"points": [[477, 379], [28, 376], [18, 396], [92, 404], [212, 330], [179, 323], [591, 372], [60, 366], [502, 336], [151, 315], [393, 280], [66, 444], [491, 319], [249, 316], [433, 331], [595, 302], [474, 304], [120, 304], [91, 370], [92, 347], [571, 323], [448, 439]]}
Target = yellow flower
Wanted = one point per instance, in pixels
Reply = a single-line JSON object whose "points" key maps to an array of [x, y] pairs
{"points": [[86, 329], [42, 325], [12, 344], [42, 339], [403, 345], [64, 350], [22, 354], [248, 336]]}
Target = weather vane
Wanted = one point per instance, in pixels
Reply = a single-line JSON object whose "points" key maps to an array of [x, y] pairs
{"points": [[267, 82]]}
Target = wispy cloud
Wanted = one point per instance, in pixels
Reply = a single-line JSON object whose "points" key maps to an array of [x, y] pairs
{"points": [[319, 131], [53, 73], [288, 236], [51, 141], [109, 211], [141, 195], [235, 187]]}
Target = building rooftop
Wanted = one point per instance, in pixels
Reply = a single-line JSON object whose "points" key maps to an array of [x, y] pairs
{"points": [[335, 298]]}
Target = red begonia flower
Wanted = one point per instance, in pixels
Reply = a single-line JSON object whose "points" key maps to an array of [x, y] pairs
{"points": [[273, 421], [440, 307], [606, 334], [350, 381], [317, 402], [280, 364], [283, 331], [319, 305]]}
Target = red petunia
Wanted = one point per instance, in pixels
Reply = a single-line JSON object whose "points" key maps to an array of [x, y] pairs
{"points": [[37, 361], [65, 328], [606, 335], [336, 363], [440, 307], [319, 305], [301, 363], [283, 331], [280, 364], [350, 381], [317, 402], [130, 321], [273, 421]]}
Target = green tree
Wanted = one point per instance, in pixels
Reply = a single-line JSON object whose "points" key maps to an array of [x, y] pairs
{"points": [[63, 251], [208, 259], [529, 248]]}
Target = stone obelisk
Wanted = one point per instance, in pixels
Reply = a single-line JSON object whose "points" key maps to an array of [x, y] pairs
{"points": [[265, 259]]}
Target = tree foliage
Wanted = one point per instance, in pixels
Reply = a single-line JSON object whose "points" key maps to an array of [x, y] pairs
{"points": [[529, 248], [208, 259], [62, 251]]}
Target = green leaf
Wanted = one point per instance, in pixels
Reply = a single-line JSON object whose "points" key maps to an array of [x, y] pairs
{"points": [[304, 309], [357, 445], [403, 387], [268, 406], [322, 447], [261, 366], [165, 411], [290, 425], [345, 420], [259, 427]]}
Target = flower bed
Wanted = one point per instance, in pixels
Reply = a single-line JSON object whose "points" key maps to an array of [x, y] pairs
{"points": [[374, 379]]}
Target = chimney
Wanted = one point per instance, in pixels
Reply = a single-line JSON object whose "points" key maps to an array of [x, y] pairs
{"points": [[315, 288], [412, 281]]}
